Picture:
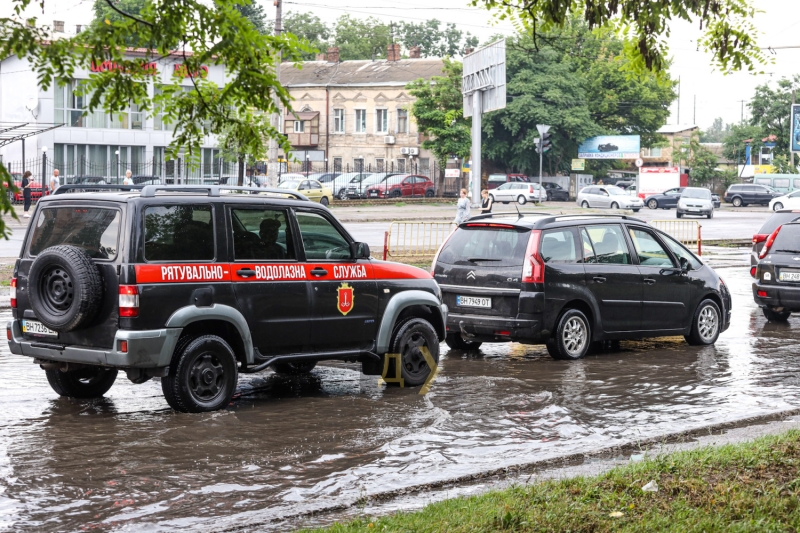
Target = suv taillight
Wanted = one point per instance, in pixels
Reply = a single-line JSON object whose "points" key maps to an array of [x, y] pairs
{"points": [[13, 293], [759, 237], [768, 244], [128, 301], [533, 267]]}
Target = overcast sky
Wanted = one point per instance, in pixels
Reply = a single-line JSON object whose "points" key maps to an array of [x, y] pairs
{"points": [[716, 95]]}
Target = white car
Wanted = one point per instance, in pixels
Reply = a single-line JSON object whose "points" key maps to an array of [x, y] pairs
{"points": [[608, 196], [787, 201], [695, 201], [519, 191]]}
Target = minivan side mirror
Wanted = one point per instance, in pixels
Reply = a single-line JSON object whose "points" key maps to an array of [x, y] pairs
{"points": [[685, 265], [359, 250]]}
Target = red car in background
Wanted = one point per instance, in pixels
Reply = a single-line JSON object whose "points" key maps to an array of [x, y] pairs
{"points": [[36, 189], [405, 185]]}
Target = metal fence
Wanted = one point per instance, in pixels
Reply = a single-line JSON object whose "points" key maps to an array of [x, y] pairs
{"points": [[687, 232], [415, 239]]}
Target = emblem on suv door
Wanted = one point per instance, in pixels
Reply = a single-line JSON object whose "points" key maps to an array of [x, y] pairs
{"points": [[471, 274], [344, 298]]}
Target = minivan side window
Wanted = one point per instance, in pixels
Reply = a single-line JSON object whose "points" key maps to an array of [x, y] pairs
{"points": [[609, 244], [680, 251], [764, 181], [558, 246], [782, 183], [179, 233], [650, 252]]}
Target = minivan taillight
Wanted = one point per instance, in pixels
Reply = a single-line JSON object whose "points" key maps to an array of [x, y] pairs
{"points": [[759, 237], [533, 267], [128, 301], [13, 293], [768, 244]]}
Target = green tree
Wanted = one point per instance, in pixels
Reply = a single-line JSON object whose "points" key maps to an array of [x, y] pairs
{"points": [[105, 14], [438, 111], [703, 164], [433, 41], [309, 27], [717, 133], [770, 108], [783, 166], [361, 38], [734, 145], [254, 13], [727, 25]]}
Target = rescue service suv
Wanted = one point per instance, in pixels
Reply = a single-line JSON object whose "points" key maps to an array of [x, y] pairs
{"points": [[194, 287]]}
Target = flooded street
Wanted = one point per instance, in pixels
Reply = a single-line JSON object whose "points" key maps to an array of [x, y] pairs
{"points": [[288, 446]]}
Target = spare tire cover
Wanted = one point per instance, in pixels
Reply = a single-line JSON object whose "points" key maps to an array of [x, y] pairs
{"points": [[66, 288]]}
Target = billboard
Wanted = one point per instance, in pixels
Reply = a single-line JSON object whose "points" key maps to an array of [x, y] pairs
{"points": [[654, 180], [484, 70], [610, 147], [795, 129], [578, 164]]}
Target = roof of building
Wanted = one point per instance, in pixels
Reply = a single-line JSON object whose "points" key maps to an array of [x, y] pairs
{"points": [[360, 72], [676, 128]]}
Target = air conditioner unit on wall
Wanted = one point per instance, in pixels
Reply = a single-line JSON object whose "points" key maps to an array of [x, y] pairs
{"points": [[413, 151], [389, 139], [404, 150]]}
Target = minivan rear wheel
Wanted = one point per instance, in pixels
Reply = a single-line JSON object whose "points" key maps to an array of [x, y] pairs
{"points": [[573, 336], [457, 342]]}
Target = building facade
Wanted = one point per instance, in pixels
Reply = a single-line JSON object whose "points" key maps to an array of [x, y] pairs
{"points": [[352, 115]]}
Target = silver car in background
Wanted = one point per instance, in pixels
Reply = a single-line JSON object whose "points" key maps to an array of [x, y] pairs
{"points": [[695, 201], [608, 196]]}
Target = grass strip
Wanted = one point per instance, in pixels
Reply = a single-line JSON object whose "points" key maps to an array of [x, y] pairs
{"points": [[749, 487]]}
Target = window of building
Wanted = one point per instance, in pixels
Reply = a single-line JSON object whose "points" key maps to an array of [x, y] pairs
{"points": [[381, 121], [361, 120], [338, 121], [424, 164], [213, 166], [401, 165], [358, 165], [179, 233], [651, 152], [337, 164], [299, 126], [70, 105], [402, 121], [380, 164]]}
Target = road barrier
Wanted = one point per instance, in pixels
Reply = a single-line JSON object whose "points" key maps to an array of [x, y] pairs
{"points": [[415, 239], [687, 232]]}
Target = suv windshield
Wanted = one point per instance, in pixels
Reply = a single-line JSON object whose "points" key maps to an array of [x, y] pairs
{"points": [[704, 194], [498, 247], [93, 229]]}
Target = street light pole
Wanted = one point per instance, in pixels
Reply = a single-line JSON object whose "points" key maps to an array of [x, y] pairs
{"points": [[542, 130]]}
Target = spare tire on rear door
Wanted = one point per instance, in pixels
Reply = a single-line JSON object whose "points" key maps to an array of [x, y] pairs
{"points": [[65, 286]]}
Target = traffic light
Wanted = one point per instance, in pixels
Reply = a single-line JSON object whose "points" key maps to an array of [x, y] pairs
{"points": [[543, 143]]}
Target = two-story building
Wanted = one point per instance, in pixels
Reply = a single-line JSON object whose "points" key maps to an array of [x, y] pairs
{"points": [[351, 115]]}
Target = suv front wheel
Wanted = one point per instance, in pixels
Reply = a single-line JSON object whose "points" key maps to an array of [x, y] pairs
{"points": [[573, 336], [408, 340], [202, 376]]}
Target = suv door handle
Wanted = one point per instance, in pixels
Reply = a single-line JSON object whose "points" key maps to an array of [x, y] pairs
{"points": [[246, 272], [649, 281], [599, 279], [319, 272]]}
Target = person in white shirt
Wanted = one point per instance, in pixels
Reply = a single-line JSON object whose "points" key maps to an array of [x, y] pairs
{"points": [[128, 180], [54, 181]]}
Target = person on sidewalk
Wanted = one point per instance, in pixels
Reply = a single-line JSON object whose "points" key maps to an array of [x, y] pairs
{"points": [[54, 181], [486, 202], [26, 193], [128, 179], [462, 208]]}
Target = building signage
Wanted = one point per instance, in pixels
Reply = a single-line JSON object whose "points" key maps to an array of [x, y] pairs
{"points": [[795, 129], [610, 147], [182, 71], [105, 66], [578, 164], [451, 173]]}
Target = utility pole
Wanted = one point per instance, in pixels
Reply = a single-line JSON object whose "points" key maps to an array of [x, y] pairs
{"points": [[679, 100], [694, 111], [272, 152]]}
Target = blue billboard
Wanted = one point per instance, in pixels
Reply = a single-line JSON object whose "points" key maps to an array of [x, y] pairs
{"points": [[610, 147], [795, 141]]}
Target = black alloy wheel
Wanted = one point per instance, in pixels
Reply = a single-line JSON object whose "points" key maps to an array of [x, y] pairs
{"points": [[294, 368], [705, 324], [202, 376], [775, 316], [457, 342], [409, 338], [92, 382]]}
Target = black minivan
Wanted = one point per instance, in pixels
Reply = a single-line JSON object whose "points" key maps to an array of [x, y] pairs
{"points": [[567, 281]]}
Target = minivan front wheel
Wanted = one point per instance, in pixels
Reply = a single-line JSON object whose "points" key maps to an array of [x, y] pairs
{"points": [[573, 336], [705, 325]]}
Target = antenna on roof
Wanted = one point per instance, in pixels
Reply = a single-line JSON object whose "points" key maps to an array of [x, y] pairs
{"points": [[519, 215]]}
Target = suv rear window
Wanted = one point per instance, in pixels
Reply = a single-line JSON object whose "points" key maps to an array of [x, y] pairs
{"points": [[778, 219], [179, 233], [93, 229], [497, 246]]}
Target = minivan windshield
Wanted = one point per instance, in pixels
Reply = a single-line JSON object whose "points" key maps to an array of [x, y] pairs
{"points": [[486, 246], [696, 192], [93, 229]]}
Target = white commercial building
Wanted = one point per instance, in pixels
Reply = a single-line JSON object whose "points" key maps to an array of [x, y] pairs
{"points": [[98, 144]]}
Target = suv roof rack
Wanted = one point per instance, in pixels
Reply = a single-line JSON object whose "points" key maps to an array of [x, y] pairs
{"points": [[593, 215], [509, 213], [92, 187], [149, 191]]}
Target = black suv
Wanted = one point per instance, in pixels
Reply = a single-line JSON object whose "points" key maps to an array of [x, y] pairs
{"points": [[193, 286], [776, 288], [567, 281], [741, 195], [555, 192]]}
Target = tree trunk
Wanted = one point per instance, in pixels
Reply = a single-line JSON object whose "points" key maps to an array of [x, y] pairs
{"points": [[241, 170]]}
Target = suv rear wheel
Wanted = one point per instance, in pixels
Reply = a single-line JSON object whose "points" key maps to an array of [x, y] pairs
{"points": [[775, 316], [294, 368], [457, 342], [202, 376], [573, 336], [408, 340], [82, 383], [705, 325]]}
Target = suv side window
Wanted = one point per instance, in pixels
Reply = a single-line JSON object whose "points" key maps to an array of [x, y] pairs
{"points": [[609, 245], [179, 233], [321, 240], [558, 246], [261, 234], [650, 252]]}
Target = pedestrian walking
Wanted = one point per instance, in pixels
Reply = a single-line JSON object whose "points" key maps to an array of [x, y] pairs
{"points": [[55, 183], [26, 193], [128, 179], [462, 208], [486, 202]]}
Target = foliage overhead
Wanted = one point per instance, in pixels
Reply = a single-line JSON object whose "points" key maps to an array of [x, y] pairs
{"points": [[727, 26], [309, 27], [433, 41], [717, 132], [734, 147], [770, 107], [361, 38]]}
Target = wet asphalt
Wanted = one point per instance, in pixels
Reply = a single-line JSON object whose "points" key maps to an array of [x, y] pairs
{"points": [[288, 446]]}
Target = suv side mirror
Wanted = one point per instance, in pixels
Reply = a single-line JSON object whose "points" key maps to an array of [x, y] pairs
{"points": [[359, 250], [685, 265]]}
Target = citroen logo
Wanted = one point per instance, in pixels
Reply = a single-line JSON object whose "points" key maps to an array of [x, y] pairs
{"points": [[471, 274]]}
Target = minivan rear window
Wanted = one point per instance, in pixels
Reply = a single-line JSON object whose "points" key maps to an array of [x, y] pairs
{"points": [[486, 246], [776, 220], [93, 229]]}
